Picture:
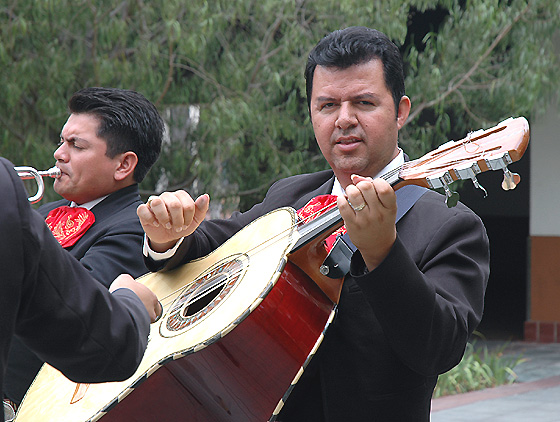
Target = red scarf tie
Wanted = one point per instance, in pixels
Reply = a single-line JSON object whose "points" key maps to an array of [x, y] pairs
{"points": [[68, 224], [315, 208]]}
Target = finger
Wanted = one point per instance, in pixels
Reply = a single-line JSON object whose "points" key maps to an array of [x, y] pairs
{"points": [[159, 313], [168, 208], [193, 213], [356, 178], [156, 311], [180, 207], [146, 216], [385, 193], [344, 207], [202, 204], [150, 301], [376, 192], [355, 198], [154, 212]]}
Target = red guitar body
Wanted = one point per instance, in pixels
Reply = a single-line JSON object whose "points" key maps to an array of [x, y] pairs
{"points": [[242, 376]]}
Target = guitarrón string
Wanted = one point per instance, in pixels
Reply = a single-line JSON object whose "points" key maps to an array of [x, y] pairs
{"points": [[498, 135]]}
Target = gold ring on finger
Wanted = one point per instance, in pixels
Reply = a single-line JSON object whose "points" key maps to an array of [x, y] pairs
{"points": [[359, 207], [149, 203]]}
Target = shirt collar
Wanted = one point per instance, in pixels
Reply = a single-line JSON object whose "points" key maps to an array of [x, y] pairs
{"points": [[89, 205]]}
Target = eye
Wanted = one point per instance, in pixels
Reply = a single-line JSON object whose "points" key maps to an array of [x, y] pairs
{"points": [[71, 142], [326, 106]]}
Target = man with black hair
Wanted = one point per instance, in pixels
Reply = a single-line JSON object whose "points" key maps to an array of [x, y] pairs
{"points": [[414, 292], [107, 146]]}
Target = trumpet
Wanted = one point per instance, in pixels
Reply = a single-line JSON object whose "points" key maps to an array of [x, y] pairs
{"points": [[25, 173]]}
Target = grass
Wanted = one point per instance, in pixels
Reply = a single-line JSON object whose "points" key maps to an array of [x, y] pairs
{"points": [[480, 368]]}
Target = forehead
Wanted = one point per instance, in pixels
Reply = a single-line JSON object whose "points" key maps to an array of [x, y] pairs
{"points": [[83, 125], [331, 80]]}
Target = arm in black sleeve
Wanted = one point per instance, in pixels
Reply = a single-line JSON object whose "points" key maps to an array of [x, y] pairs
{"points": [[428, 294], [59, 310]]}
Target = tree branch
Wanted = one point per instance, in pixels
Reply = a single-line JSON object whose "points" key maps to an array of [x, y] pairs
{"points": [[265, 46], [10, 128], [207, 77], [453, 88], [169, 78]]}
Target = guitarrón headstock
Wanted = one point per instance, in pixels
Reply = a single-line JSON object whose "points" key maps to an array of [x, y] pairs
{"points": [[480, 151]]}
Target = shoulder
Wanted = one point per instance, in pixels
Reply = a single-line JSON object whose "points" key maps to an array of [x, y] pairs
{"points": [[308, 178], [119, 207], [299, 184], [430, 216], [8, 184], [434, 202], [12, 191]]}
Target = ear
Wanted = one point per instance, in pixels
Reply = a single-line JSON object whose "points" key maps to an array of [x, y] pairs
{"points": [[403, 111], [127, 164]]}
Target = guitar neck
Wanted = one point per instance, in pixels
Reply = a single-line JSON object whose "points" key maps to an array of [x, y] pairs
{"points": [[327, 222]]}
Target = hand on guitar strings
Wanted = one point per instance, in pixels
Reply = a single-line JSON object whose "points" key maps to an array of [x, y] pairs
{"points": [[369, 211], [170, 216]]}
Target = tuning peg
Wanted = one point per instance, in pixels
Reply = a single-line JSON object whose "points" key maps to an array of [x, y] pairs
{"points": [[479, 186], [511, 180], [442, 180], [470, 172], [452, 197]]}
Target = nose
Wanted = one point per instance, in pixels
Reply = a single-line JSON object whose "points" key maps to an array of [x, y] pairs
{"points": [[346, 116], [60, 154]]}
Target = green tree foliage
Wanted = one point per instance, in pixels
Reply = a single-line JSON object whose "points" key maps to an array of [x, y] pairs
{"points": [[228, 76]]}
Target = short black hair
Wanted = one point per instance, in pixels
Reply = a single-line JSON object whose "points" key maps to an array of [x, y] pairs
{"points": [[127, 122], [357, 45]]}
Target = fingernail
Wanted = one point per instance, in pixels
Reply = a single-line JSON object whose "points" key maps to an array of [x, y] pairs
{"points": [[168, 226]]}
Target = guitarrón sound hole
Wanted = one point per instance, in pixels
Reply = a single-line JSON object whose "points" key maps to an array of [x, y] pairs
{"points": [[204, 294]]}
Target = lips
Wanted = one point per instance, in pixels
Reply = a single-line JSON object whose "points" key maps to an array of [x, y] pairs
{"points": [[346, 140], [62, 173], [348, 144]]}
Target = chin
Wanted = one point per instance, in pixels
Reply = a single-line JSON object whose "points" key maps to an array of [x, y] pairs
{"points": [[61, 191]]}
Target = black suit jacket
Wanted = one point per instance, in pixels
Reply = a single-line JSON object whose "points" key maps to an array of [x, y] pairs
{"points": [[113, 244], [110, 247], [54, 305], [398, 326]]}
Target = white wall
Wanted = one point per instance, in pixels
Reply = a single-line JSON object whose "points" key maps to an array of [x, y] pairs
{"points": [[544, 194]]}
